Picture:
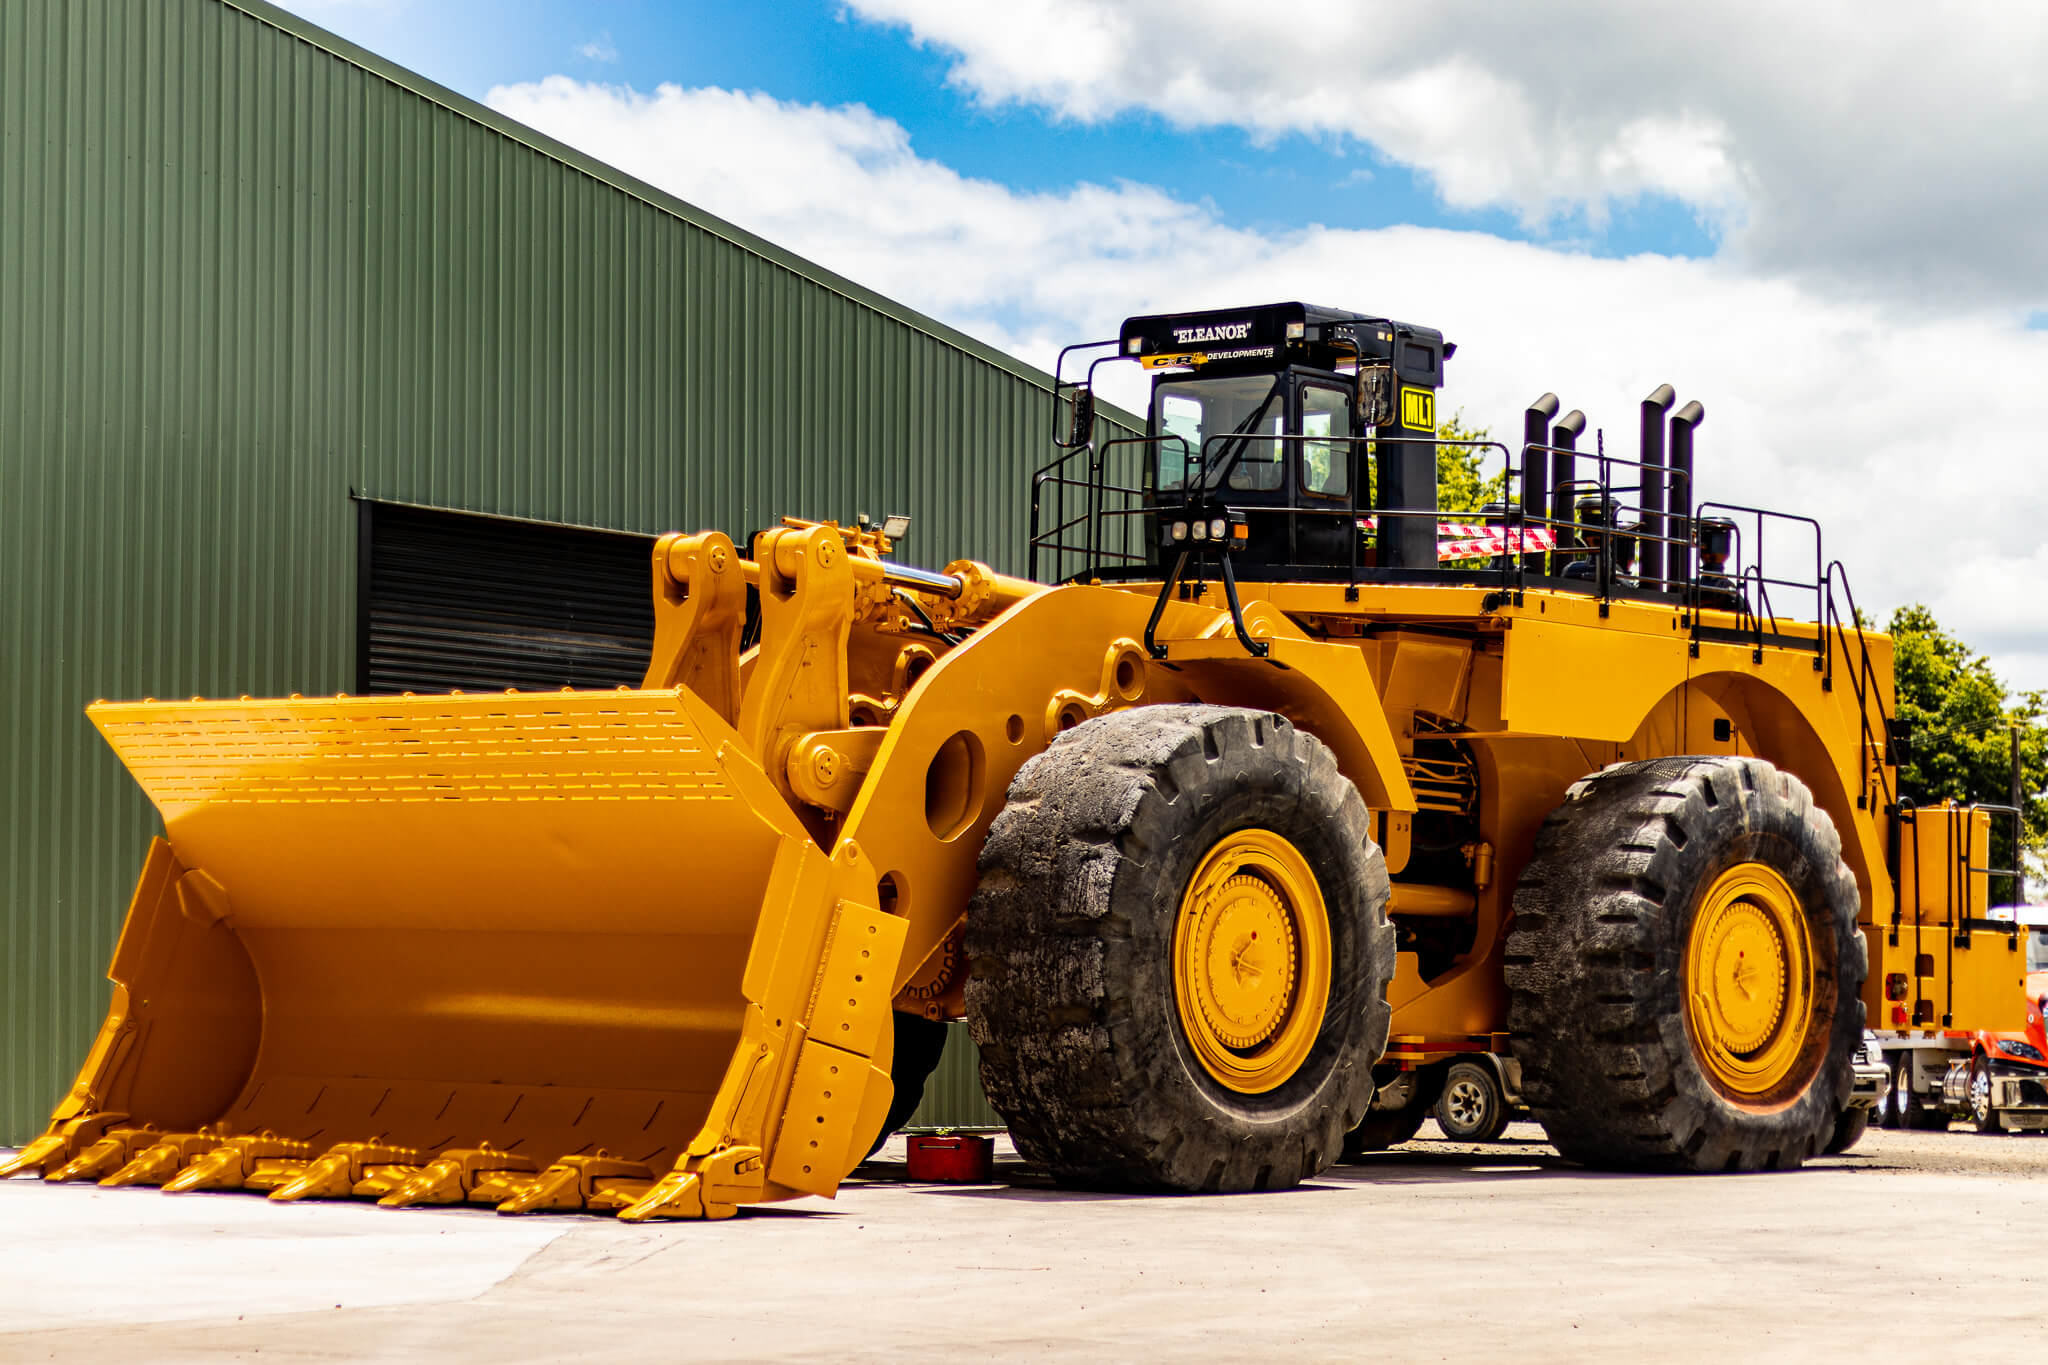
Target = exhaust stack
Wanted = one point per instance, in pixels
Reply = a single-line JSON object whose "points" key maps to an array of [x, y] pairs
{"points": [[1564, 440], [1651, 479], [1536, 470], [1684, 423]]}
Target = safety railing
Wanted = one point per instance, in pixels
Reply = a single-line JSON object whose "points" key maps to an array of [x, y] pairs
{"points": [[1110, 515], [1613, 527], [1878, 731]]}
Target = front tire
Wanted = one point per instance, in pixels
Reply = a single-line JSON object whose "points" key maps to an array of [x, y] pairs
{"points": [[1181, 953], [1684, 969]]}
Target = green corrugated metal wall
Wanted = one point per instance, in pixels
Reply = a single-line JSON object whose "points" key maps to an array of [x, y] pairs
{"points": [[953, 1097], [247, 270]]}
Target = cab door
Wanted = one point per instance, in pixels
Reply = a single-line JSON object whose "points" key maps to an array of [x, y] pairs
{"points": [[1325, 464]]}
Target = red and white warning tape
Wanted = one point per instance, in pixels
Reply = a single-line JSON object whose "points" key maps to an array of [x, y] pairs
{"points": [[1467, 540]]}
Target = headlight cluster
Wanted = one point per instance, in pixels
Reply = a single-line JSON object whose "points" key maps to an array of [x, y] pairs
{"points": [[1214, 529], [2013, 1047]]}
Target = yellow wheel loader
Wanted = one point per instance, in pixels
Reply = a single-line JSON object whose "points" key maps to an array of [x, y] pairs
{"points": [[1284, 793]]}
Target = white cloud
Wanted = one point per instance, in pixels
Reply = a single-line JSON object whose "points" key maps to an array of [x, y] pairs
{"points": [[599, 49], [1889, 149], [1917, 443]]}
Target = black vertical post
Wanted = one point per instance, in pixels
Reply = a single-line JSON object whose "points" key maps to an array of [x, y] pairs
{"points": [[1564, 470], [1536, 473], [2019, 824], [1650, 479], [1683, 423], [365, 539], [1407, 481]]}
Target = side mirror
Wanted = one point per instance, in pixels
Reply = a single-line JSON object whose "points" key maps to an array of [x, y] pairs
{"points": [[1375, 395], [1081, 416]]}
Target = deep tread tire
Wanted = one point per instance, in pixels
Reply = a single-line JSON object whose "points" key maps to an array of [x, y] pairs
{"points": [[1593, 965], [1071, 933], [920, 1042]]}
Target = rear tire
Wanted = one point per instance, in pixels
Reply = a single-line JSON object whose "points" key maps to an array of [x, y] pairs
{"points": [[1080, 935], [1655, 875]]}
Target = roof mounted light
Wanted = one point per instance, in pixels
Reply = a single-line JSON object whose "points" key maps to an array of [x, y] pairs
{"points": [[1296, 330], [1134, 346]]}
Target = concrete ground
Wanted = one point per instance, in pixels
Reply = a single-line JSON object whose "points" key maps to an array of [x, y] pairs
{"points": [[1918, 1246]]}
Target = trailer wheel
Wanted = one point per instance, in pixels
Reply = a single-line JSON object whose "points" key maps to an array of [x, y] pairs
{"points": [[1473, 1107], [1180, 953], [1893, 1114], [1982, 1113], [1914, 1112], [1684, 969]]}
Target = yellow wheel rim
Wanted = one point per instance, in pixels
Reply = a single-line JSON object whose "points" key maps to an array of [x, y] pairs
{"points": [[1749, 983], [1251, 961]]}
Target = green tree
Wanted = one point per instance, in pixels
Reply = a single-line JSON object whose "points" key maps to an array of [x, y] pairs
{"points": [[1463, 485], [1962, 721]]}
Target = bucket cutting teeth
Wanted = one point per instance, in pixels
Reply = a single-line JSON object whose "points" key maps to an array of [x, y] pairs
{"points": [[109, 1154], [260, 1161], [65, 1140], [47, 1148], [165, 1158], [351, 1168], [707, 1187], [599, 1181], [480, 1175]]}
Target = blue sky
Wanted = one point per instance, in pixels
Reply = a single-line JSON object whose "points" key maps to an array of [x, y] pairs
{"points": [[819, 53], [1812, 218]]}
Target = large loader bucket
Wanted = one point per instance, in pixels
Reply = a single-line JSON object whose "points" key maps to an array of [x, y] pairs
{"points": [[540, 950]]}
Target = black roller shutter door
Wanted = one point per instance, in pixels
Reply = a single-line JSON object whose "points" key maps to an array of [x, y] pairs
{"points": [[452, 600]]}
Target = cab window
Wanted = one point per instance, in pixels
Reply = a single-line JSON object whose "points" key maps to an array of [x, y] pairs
{"points": [[1229, 416], [1325, 463]]}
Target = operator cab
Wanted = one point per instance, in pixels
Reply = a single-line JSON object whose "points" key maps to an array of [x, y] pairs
{"points": [[1292, 415]]}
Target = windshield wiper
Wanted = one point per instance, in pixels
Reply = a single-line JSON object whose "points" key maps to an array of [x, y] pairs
{"points": [[1241, 430]]}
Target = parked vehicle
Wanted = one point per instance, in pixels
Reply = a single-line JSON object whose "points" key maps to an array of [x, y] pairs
{"points": [[1996, 1080]]}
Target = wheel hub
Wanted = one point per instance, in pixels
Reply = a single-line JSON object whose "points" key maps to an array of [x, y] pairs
{"points": [[1250, 968], [1252, 961], [1749, 982], [1465, 1103]]}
